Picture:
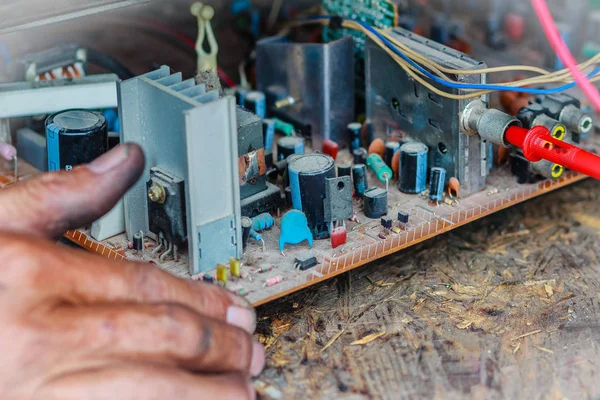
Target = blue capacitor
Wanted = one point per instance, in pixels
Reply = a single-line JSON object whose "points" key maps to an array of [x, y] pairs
{"points": [[75, 137], [269, 133], [437, 184], [354, 133], [257, 103], [294, 229], [383, 172], [263, 222], [413, 167], [359, 176]]}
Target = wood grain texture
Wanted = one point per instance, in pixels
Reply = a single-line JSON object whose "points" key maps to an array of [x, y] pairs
{"points": [[505, 308]]}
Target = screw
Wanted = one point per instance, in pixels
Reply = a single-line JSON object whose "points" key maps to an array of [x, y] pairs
{"points": [[157, 194]]}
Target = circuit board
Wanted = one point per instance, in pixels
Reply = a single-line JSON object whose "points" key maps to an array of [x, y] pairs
{"points": [[367, 239], [378, 13]]}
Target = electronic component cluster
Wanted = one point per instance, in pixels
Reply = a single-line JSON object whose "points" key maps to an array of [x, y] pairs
{"points": [[274, 186]]}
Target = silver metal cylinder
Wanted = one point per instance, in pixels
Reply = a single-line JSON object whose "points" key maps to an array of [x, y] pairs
{"points": [[557, 129], [576, 120], [547, 169], [493, 124]]}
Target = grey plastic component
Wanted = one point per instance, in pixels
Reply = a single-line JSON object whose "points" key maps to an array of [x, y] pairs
{"points": [[22, 99], [338, 199], [31, 147], [111, 224], [17, 15], [397, 103], [193, 140], [213, 180]]}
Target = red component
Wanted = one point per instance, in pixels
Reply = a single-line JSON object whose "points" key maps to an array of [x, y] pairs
{"points": [[331, 148], [515, 26], [537, 144], [339, 236]]}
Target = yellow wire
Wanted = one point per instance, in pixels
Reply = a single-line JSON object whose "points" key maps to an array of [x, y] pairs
{"points": [[437, 69]]}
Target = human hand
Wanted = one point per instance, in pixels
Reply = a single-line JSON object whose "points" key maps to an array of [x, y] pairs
{"points": [[74, 325]]}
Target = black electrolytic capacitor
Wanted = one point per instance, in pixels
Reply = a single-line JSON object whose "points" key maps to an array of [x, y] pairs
{"points": [[75, 137], [437, 184], [413, 167], [354, 135], [246, 228], [390, 149], [344, 170], [138, 241], [288, 146], [360, 155], [359, 176], [308, 180], [375, 203]]}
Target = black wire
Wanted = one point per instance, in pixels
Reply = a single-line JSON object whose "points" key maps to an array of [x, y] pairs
{"points": [[108, 63]]}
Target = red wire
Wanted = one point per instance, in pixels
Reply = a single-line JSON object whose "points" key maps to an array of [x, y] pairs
{"points": [[191, 43], [563, 52]]}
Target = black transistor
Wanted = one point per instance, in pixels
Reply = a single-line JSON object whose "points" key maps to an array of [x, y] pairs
{"points": [[403, 217], [305, 261], [387, 222]]}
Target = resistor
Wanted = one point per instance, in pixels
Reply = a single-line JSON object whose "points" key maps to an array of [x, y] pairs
{"points": [[255, 235], [222, 273], [383, 172], [284, 127], [273, 281], [262, 222], [258, 237], [235, 267], [264, 270]]}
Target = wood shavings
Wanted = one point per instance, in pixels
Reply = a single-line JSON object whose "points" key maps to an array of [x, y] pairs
{"points": [[368, 339], [517, 347], [549, 290], [545, 350], [333, 340], [527, 334]]}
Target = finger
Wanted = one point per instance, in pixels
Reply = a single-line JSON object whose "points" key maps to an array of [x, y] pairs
{"points": [[129, 382], [168, 334], [53, 203], [78, 277]]}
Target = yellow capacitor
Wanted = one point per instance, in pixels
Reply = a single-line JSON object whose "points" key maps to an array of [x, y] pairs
{"points": [[235, 267], [222, 273]]}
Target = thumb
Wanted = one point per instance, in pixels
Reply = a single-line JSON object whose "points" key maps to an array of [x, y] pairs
{"points": [[53, 203]]}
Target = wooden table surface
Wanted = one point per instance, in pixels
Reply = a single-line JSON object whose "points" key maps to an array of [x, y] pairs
{"points": [[507, 307]]}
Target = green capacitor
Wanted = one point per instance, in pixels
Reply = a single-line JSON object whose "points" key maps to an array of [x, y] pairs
{"points": [[284, 127], [383, 172]]}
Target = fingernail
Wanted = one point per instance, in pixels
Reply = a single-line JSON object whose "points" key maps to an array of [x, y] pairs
{"points": [[110, 160], [242, 318], [258, 359], [251, 390]]}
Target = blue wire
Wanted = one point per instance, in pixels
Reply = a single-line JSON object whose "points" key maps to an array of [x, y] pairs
{"points": [[453, 85]]}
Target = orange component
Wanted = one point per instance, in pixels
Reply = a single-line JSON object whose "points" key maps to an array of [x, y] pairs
{"points": [[507, 99], [377, 147], [503, 154], [396, 164], [519, 103], [454, 187]]}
